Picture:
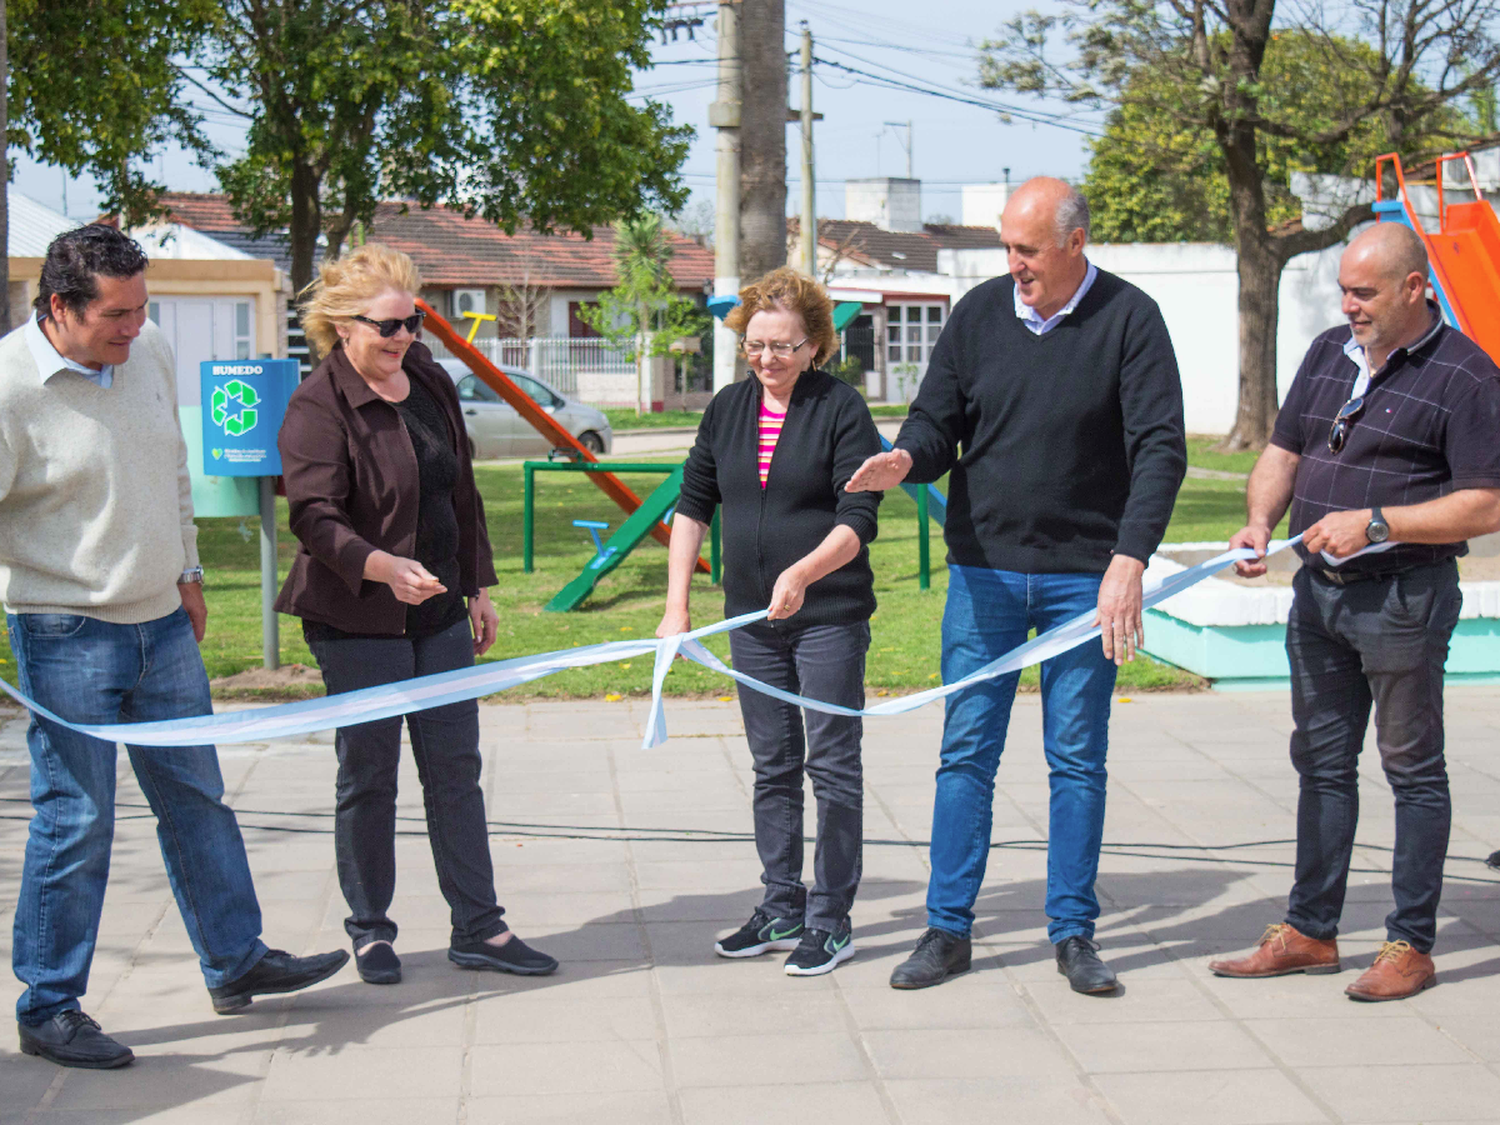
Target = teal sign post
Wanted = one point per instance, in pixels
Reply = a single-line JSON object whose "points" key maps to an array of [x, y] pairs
{"points": [[243, 404]]}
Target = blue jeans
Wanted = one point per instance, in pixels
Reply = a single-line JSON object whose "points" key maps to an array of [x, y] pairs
{"points": [[988, 613], [90, 671]]}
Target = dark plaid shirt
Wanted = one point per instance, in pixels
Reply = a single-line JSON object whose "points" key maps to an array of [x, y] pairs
{"points": [[1431, 425]]}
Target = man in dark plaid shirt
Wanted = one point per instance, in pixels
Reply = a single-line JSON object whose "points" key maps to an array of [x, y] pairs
{"points": [[1387, 449]]}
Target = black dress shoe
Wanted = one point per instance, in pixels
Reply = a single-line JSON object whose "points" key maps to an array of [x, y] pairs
{"points": [[277, 971], [515, 956], [1077, 961], [938, 956], [378, 963], [71, 1038]]}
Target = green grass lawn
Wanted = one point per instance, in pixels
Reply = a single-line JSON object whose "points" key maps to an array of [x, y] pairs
{"points": [[903, 655], [623, 418]]}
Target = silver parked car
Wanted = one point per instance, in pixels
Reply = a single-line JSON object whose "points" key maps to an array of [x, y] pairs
{"points": [[496, 430]]}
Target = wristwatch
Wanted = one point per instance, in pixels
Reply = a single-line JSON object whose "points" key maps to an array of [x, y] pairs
{"points": [[193, 575], [1377, 530]]}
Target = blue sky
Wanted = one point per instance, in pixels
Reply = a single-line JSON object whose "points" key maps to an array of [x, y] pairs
{"points": [[929, 45]]}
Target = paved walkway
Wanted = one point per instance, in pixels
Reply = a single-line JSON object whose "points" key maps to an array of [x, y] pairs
{"points": [[627, 863]]}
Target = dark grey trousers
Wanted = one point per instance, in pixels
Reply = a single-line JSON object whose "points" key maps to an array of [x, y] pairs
{"points": [[1382, 642], [445, 745], [825, 662]]}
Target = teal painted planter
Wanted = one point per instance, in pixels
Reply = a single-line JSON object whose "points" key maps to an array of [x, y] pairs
{"points": [[1252, 656]]}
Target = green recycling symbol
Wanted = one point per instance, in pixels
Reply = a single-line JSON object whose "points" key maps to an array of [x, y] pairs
{"points": [[239, 418]]}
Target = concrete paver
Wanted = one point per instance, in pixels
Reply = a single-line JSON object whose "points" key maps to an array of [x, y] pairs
{"points": [[627, 864]]}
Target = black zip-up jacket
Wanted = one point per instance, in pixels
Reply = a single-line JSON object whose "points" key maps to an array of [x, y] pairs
{"points": [[827, 435]]}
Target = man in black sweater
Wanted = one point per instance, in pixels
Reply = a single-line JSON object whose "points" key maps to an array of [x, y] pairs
{"points": [[1053, 400]]}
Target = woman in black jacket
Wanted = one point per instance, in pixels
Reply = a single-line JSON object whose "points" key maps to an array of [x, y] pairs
{"points": [[776, 452]]}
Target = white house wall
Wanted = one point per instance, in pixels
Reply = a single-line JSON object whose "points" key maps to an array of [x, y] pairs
{"points": [[1197, 288]]}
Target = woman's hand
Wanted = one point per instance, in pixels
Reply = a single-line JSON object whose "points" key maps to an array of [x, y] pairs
{"points": [[408, 579], [790, 590], [674, 621], [484, 621]]}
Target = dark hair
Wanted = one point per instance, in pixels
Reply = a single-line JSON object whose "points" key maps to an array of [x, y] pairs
{"points": [[75, 260]]}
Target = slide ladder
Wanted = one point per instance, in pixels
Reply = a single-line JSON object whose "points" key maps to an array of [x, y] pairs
{"points": [[645, 520], [1464, 251]]}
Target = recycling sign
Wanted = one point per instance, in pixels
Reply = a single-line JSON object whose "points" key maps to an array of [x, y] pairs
{"points": [[244, 401]]}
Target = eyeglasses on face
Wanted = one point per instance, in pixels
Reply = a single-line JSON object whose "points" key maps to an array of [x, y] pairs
{"points": [[388, 328], [1348, 414], [780, 350]]}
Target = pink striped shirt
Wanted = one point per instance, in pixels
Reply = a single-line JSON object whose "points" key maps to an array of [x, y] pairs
{"points": [[770, 432]]}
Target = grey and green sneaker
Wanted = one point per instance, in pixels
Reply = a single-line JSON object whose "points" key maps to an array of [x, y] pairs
{"points": [[820, 950], [761, 934]]}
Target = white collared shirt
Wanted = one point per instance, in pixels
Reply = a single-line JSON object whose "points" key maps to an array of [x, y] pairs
{"points": [[49, 361], [1033, 319], [1361, 361]]}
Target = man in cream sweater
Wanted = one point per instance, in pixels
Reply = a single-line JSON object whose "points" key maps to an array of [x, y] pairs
{"points": [[104, 606]]}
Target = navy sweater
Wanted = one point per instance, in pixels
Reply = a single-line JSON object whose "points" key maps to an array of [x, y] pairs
{"points": [[1064, 448], [827, 435]]}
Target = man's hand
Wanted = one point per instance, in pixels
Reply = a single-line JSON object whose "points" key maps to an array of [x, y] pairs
{"points": [[484, 621], [675, 620], [1339, 533], [1119, 617], [789, 592], [1256, 538], [880, 472], [191, 594]]}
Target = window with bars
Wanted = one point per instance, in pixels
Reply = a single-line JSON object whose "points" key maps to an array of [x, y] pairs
{"points": [[911, 330]]}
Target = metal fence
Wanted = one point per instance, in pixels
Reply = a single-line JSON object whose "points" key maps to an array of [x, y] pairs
{"points": [[580, 368]]}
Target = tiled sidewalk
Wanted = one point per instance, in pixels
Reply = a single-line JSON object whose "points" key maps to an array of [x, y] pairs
{"points": [[627, 863]]}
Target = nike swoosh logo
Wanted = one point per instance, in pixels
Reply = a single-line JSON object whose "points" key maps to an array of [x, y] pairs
{"points": [[779, 935], [834, 946]]}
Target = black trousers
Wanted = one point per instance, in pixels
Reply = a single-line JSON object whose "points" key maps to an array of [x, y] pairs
{"points": [[825, 662], [445, 744], [1382, 642]]}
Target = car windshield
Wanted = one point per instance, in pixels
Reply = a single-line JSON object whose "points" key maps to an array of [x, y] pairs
{"points": [[472, 389]]}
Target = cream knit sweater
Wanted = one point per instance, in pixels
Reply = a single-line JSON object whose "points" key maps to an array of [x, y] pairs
{"points": [[96, 505]]}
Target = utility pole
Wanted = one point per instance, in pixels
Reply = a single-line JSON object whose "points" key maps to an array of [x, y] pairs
{"points": [[724, 115], [809, 193]]}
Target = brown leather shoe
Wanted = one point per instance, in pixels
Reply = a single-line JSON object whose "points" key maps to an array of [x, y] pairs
{"points": [[1282, 950], [1399, 971]]}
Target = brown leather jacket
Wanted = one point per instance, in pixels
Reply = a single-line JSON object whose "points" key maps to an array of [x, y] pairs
{"points": [[351, 481]]}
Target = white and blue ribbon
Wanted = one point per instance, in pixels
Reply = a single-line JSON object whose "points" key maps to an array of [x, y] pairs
{"points": [[291, 720]]}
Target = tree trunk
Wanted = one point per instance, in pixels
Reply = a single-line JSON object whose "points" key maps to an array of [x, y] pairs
{"points": [[5, 310], [1259, 307], [762, 33], [306, 225]]}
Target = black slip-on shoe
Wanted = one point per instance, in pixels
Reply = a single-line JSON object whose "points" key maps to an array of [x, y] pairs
{"points": [[378, 964], [277, 971], [515, 956], [1078, 960], [71, 1038], [762, 934], [938, 956]]}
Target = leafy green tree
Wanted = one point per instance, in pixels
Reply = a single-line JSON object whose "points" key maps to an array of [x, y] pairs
{"points": [[514, 110], [644, 314], [90, 86], [1369, 75]]}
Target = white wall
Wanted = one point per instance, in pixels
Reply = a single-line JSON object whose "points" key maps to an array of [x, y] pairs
{"points": [[1197, 288]]}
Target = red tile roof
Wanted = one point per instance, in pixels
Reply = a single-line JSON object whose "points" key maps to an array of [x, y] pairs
{"points": [[911, 251], [451, 250]]}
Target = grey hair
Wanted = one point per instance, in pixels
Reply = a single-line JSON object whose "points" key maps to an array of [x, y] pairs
{"points": [[1072, 214]]}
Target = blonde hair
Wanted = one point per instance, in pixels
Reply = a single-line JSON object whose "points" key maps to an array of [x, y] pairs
{"points": [[345, 286], [792, 292]]}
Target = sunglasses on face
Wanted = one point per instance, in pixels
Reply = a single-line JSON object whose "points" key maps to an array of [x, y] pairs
{"points": [[1348, 414], [388, 328]]}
